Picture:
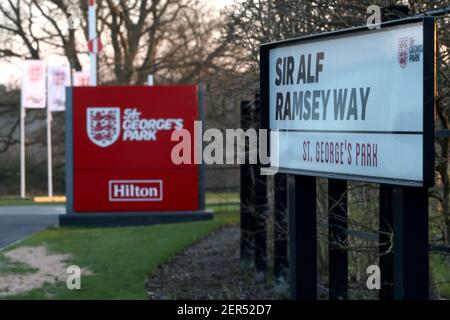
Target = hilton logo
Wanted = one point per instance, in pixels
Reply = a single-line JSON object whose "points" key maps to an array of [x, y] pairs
{"points": [[135, 190]]}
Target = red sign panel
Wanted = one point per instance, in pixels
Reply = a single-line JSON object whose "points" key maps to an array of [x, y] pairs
{"points": [[92, 48], [122, 149]]}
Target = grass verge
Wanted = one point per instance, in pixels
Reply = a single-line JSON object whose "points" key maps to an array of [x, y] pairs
{"points": [[8, 266], [120, 258], [211, 197], [26, 202]]}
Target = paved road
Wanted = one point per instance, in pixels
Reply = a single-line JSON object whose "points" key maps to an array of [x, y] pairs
{"points": [[18, 222]]}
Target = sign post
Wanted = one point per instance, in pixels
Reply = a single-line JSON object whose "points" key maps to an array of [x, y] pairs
{"points": [[49, 154], [386, 219], [261, 207], [280, 241], [246, 194], [410, 204], [57, 79], [385, 241], [302, 237], [337, 236], [355, 104], [22, 151], [93, 41]]}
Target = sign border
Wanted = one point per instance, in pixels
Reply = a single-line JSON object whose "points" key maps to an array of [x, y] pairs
{"points": [[201, 211], [429, 85]]}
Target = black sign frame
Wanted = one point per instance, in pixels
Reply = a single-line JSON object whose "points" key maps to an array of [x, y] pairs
{"points": [[429, 85]]}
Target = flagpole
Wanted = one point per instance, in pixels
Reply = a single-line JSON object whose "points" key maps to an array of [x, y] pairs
{"points": [[92, 37], [49, 153], [22, 150]]}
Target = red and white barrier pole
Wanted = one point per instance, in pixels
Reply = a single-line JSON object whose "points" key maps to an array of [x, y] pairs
{"points": [[92, 20]]}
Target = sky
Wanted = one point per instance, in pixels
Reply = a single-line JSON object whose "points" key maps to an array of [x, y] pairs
{"points": [[10, 72]]}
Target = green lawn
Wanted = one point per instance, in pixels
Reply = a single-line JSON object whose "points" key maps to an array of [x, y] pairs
{"points": [[222, 197], [7, 266], [120, 258], [25, 202], [214, 198]]}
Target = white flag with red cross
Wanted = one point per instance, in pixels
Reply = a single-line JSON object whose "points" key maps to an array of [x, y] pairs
{"points": [[57, 80], [33, 84]]}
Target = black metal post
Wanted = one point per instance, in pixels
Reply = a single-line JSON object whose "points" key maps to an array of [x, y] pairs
{"points": [[302, 237], [386, 250], [337, 236], [411, 269], [246, 190], [386, 218], [280, 243], [260, 229], [261, 207]]}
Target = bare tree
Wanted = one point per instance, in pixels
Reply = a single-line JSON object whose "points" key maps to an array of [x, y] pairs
{"points": [[175, 40], [252, 22], [140, 37]]}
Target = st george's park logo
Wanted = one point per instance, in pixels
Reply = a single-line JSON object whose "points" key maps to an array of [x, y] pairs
{"points": [[403, 52], [103, 125], [408, 51]]}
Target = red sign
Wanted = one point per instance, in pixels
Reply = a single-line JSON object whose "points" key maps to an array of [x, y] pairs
{"points": [[91, 47], [122, 149]]}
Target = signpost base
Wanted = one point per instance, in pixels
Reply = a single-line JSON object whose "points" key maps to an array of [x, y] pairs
{"points": [[302, 237], [111, 219], [337, 238], [411, 265]]}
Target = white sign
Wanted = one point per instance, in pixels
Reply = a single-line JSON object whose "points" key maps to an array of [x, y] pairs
{"points": [[352, 105], [150, 80], [33, 84], [57, 80], [81, 79]]}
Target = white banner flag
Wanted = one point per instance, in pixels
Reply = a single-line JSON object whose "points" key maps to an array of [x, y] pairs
{"points": [[81, 79], [33, 84], [57, 80]]}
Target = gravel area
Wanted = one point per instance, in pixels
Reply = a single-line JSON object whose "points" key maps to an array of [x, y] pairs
{"points": [[210, 269]]}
